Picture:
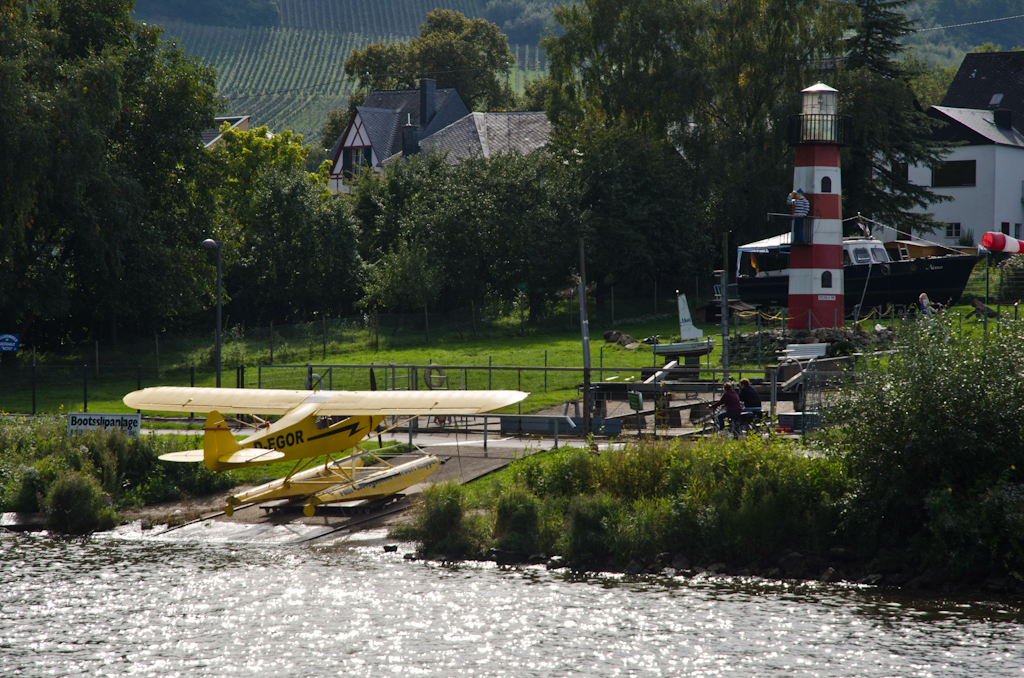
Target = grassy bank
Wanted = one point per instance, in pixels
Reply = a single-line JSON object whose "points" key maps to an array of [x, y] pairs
{"points": [[748, 502], [918, 479], [80, 482]]}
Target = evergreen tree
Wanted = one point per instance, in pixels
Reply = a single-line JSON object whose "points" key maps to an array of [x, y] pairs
{"points": [[890, 130], [878, 37]]}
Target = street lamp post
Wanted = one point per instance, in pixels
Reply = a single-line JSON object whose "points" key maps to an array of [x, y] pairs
{"points": [[210, 243]]}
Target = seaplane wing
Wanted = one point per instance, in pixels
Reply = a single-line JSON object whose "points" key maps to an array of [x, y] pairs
{"points": [[324, 403]]}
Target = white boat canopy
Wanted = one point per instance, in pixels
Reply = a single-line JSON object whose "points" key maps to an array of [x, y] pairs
{"points": [[766, 245]]}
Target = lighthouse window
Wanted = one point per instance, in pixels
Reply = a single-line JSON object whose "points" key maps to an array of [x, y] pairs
{"points": [[826, 184], [826, 279]]}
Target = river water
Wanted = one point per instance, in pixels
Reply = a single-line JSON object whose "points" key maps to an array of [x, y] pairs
{"points": [[217, 600]]}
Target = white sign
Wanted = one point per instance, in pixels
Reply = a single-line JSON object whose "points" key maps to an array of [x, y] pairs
{"points": [[686, 328], [80, 422], [826, 297]]}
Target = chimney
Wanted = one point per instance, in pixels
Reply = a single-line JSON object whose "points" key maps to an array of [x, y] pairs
{"points": [[1003, 118], [428, 100], [410, 138]]}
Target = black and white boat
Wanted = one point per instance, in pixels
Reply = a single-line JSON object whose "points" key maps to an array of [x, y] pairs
{"points": [[873, 276]]}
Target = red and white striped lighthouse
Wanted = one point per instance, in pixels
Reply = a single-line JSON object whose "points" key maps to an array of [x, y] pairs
{"points": [[816, 249]]}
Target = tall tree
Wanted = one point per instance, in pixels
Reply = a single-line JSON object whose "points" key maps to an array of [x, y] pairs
{"points": [[101, 134], [890, 131], [471, 55], [483, 229], [757, 56], [290, 246], [623, 62], [638, 219]]}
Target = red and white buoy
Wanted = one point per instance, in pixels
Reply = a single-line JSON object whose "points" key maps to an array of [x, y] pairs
{"points": [[816, 262]]}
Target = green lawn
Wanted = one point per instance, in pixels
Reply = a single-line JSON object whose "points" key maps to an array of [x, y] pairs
{"points": [[504, 343]]}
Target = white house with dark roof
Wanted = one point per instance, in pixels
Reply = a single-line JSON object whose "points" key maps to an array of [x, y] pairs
{"points": [[985, 176], [391, 122]]}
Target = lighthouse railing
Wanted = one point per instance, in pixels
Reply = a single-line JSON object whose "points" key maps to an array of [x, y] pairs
{"points": [[819, 128], [801, 229]]}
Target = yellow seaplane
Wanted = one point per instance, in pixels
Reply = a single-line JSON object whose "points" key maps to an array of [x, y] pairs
{"points": [[304, 432]]}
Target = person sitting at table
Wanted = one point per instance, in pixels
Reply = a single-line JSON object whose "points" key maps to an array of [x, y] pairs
{"points": [[732, 404]]}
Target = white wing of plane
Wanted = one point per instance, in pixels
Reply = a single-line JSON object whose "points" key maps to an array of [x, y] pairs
{"points": [[327, 403]]}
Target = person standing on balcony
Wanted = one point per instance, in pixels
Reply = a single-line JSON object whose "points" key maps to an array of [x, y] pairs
{"points": [[800, 209]]}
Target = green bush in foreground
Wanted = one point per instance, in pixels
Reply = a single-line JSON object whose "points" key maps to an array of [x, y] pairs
{"points": [[75, 504], [736, 501], [934, 438], [34, 454], [441, 524]]}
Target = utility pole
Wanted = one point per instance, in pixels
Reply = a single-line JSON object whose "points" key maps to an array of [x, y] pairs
{"points": [[585, 334], [725, 306]]}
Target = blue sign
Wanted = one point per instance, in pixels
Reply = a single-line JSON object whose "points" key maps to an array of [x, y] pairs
{"points": [[9, 342]]}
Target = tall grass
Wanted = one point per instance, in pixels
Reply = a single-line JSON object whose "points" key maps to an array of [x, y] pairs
{"points": [[719, 500], [42, 468]]}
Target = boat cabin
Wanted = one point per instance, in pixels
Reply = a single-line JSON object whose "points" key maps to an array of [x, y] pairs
{"points": [[770, 257]]}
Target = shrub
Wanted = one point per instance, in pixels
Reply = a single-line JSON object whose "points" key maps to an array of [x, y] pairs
{"points": [[34, 453], [25, 490], [566, 472], [76, 504], [647, 528], [440, 524], [589, 536], [635, 471], [516, 521], [944, 414]]}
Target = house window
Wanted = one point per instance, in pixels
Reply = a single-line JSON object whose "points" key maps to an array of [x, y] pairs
{"points": [[826, 184], [901, 170], [952, 230], [356, 157], [361, 156], [954, 173], [826, 280], [1005, 228], [1016, 231]]}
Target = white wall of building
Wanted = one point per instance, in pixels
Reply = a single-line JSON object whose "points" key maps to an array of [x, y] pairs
{"points": [[995, 198]]}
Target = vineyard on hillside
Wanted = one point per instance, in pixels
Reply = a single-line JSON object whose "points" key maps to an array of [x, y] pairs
{"points": [[369, 17], [291, 77]]}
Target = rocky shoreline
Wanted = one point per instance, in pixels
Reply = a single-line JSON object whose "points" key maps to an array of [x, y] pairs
{"points": [[842, 566]]}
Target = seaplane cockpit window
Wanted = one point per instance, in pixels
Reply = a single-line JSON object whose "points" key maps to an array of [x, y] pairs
{"points": [[861, 256], [879, 255]]}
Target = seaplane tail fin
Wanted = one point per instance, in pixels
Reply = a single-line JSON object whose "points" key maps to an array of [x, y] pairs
{"points": [[218, 441]]}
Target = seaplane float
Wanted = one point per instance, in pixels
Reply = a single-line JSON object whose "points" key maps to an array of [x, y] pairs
{"points": [[306, 432]]}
